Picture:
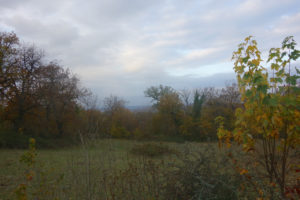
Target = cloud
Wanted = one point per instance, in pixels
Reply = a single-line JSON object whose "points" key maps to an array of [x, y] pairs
{"points": [[122, 47], [288, 25], [58, 34], [196, 57]]}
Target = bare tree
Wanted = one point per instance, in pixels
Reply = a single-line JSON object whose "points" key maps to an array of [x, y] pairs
{"points": [[185, 96], [113, 104]]}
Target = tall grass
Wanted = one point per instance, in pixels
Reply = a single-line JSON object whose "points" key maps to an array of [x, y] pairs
{"points": [[111, 169]]}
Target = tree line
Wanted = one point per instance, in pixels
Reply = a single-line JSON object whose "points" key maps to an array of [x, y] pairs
{"points": [[38, 98], [42, 99]]}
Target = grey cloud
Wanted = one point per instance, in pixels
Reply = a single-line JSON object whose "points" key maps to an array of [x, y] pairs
{"points": [[57, 34], [108, 12], [122, 46]]}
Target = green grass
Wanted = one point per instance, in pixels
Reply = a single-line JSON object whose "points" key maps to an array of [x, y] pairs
{"points": [[102, 169]]}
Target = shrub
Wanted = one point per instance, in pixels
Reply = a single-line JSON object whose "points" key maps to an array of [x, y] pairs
{"points": [[12, 139], [143, 179], [119, 132], [199, 175], [152, 150]]}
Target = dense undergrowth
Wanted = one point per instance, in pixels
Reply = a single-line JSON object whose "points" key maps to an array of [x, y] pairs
{"points": [[108, 169]]}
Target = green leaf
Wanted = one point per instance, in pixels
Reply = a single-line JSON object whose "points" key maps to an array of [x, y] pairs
{"points": [[283, 54], [292, 79], [280, 73], [296, 90], [276, 80], [279, 80], [288, 43], [258, 79], [266, 100], [275, 66], [250, 111], [273, 101], [246, 76], [265, 123], [245, 60], [295, 55], [289, 101], [248, 93], [262, 88]]}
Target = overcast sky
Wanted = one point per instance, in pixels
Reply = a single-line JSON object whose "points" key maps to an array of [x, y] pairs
{"points": [[122, 47]]}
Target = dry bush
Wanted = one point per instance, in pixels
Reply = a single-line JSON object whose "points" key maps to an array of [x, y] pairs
{"points": [[201, 175], [152, 150], [143, 179]]}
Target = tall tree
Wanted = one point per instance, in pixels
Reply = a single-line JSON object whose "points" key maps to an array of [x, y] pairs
{"points": [[156, 93], [20, 92], [9, 44], [197, 104], [36, 97], [59, 93]]}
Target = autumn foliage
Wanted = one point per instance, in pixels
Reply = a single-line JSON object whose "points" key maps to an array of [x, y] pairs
{"points": [[38, 99], [268, 124]]}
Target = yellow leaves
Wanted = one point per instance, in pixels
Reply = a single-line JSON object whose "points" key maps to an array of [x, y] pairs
{"points": [[250, 49], [258, 118], [277, 120], [255, 62], [32, 142], [297, 114], [223, 135], [270, 110], [274, 133], [246, 147], [275, 66], [238, 112], [228, 140], [248, 38], [220, 120], [244, 171], [238, 136]]}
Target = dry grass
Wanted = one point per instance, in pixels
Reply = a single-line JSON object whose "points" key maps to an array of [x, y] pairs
{"points": [[107, 169]]}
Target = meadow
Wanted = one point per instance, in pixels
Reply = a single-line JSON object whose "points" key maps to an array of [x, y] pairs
{"points": [[121, 169]]}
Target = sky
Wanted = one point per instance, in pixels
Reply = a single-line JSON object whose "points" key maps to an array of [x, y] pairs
{"points": [[122, 47]]}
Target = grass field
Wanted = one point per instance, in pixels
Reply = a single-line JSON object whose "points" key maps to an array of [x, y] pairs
{"points": [[121, 169]]}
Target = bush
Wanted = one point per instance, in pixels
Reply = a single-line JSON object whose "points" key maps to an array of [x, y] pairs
{"points": [[12, 139], [152, 150], [119, 132], [140, 180], [201, 175]]}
